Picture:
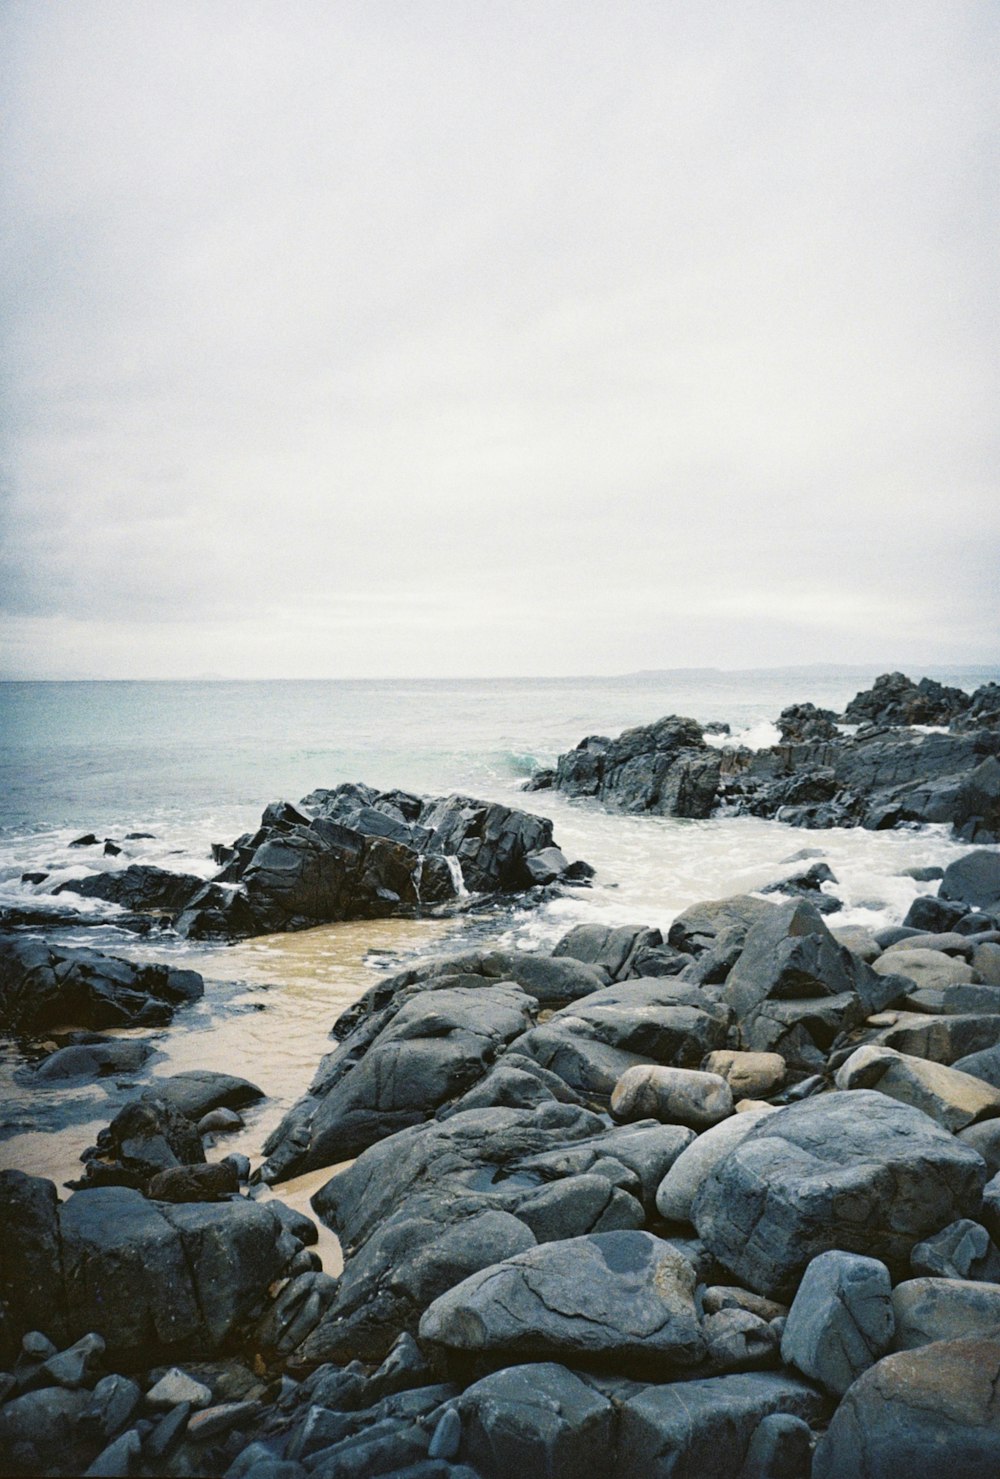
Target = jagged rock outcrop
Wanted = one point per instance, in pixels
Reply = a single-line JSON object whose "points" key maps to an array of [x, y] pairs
{"points": [[46, 986]]}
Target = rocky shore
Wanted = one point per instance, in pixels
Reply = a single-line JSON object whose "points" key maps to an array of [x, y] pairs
{"points": [[885, 773], [720, 1201]]}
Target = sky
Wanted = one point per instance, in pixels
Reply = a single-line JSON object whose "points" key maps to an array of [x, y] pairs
{"points": [[351, 338]]}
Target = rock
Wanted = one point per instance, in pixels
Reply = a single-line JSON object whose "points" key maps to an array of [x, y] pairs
{"points": [[220, 1122], [145, 1137], [607, 948], [749, 1075], [841, 1320], [93, 1060], [140, 886], [781, 1448], [167, 1434], [212, 1183], [677, 1190], [214, 1422], [118, 1459], [700, 927], [29, 1256], [557, 1210], [941, 1039], [197, 1091], [896, 699], [986, 963], [962, 1250], [39, 1431], [447, 1435], [984, 1138], [664, 768], [87, 840], [176, 1387], [929, 1310], [799, 722], [43, 986], [977, 802], [851, 1170], [624, 1297], [662, 1019], [928, 969], [973, 880], [76, 1367], [114, 1402], [938, 1403], [704, 1427], [930, 915], [951, 1098], [674, 1095], [538, 1419]]}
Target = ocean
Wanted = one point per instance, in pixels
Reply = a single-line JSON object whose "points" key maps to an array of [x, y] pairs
{"points": [[196, 762]]}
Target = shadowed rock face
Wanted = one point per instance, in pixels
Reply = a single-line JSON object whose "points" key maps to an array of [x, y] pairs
{"points": [[356, 853], [665, 769], [45, 986]]}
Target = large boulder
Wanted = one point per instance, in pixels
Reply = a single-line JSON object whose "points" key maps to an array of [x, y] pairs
{"points": [[356, 853], [930, 1411], [952, 1098], [151, 1278], [896, 699], [852, 1170], [973, 880], [624, 1298], [140, 887], [665, 769], [43, 986]]}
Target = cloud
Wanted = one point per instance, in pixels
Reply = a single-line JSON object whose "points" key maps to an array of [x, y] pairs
{"points": [[446, 338]]}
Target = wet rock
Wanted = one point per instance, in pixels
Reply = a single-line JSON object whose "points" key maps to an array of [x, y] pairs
{"points": [[661, 1019], [854, 1170], [675, 1095], [296, 1312], [895, 699], [962, 1250], [220, 1122], [935, 1309], [43, 986], [536, 1419], [202, 1183], [560, 1209], [197, 1091], [977, 803], [39, 1431], [29, 1256], [664, 768], [841, 1320], [607, 948], [92, 1060], [951, 1098], [799, 722], [116, 1461], [940, 1400], [140, 886], [625, 1297], [145, 1137]]}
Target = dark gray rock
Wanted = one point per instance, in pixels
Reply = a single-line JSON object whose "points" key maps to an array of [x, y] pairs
{"points": [[938, 1405], [701, 927], [536, 1419], [93, 1060], [665, 769], [895, 699], [851, 1170], [977, 802], [800, 722], [781, 1448], [116, 1461], [43, 986], [704, 1427], [608, 948], [841, 1320], [962, 1250], [626, 1298], [140, 886], [198, 1090], [973, 880], [114, 1402], [147, 1136], [39, 1432], [663, 1020]]}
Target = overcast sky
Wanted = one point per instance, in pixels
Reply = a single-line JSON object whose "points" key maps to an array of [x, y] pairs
{"points": [[445, 337]]}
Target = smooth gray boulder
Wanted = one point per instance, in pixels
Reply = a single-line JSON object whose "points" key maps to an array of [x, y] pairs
{"points": [[693, 1429], [929, 970], [930, 1411], [841, 1320], [852, 1170], [196, 1091], [626, 1298], [676, 1192], [92, 1060], [973, 880], [538, 1419], [701, 926]]}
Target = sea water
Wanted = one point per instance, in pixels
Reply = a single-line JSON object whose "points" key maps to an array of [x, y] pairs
{"points": [[195, 763]]}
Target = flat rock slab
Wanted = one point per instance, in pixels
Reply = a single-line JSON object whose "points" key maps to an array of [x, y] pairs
{"points": [[853, 1170], [933, 1411], [952, 1098], [623, 1297], [198, 1090]]}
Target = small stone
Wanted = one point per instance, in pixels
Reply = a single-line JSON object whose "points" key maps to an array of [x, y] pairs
{"points": [[220, 1122], [751, 1075], [75, 1366], [962, 1250], [213, 1422], [175, 1387], [114, 1403], [673, 1095], [447, 1435]]}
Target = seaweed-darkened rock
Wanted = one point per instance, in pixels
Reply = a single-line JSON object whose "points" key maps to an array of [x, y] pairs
{"points": [[47, 986], [140, 886]]}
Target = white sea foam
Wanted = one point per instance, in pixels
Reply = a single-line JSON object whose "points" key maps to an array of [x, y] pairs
{"points": [[759, 736]]}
